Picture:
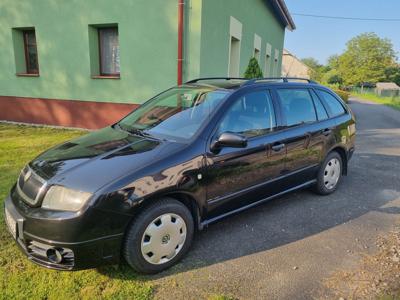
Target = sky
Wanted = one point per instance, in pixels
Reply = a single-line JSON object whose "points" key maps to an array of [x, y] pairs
{"points": [[320, 38]]}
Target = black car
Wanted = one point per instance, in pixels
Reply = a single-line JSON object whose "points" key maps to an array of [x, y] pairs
{"points": [[194, 154]]}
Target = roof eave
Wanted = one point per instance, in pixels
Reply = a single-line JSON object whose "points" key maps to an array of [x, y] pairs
{"points": [[284, 14]]}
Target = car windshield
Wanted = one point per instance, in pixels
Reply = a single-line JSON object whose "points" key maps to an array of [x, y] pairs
{"points": [[175, 114]]}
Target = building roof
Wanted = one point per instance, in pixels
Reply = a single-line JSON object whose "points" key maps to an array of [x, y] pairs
{"points": [[387, 86], [286, 52], [283, 13]]}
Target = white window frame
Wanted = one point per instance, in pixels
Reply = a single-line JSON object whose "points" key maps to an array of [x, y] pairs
{"points": [[276, 62], [257, 47], [267, 63], [235, 31]]}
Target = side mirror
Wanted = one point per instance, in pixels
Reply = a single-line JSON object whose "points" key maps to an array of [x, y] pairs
{"points": [[229, 139]]}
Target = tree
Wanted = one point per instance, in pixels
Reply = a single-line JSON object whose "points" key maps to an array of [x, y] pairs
{"points": [[392, 74], [316, 69], [365, 59], [332, 77], [253, 69], [333, 61]]}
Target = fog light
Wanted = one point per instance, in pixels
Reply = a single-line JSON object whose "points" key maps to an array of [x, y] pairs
{"points": [[54, 255]]}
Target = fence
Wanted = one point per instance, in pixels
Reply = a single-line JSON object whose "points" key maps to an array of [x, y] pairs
{"points": [[371, 92]]}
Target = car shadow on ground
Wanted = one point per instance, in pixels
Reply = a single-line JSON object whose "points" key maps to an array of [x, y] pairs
{"points": [[284, 220]]}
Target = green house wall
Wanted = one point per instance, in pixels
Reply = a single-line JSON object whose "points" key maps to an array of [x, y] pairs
{"points": [[148, 48], [256, 16], [148, 45]]}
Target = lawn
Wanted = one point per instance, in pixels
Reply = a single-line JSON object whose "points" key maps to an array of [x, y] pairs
{"points": [[21, 279], [389, 101]]}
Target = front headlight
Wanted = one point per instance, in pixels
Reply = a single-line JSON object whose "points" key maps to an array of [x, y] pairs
{"points": [[61, 198]]}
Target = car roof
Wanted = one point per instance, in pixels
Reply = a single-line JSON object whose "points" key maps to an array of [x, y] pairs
{"points": [[237, 83]]}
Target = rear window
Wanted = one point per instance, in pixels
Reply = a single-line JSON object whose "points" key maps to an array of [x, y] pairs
{"points": [[297, 106], [319, 107], [335, 107]]}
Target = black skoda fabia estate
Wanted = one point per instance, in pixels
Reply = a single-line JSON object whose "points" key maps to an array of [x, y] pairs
{"points": [[140, 188]]}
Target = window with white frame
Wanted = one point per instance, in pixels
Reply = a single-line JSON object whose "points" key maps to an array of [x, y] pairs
{"points": [[234, 47], [267, 63], [276, 63], [257, 47]]}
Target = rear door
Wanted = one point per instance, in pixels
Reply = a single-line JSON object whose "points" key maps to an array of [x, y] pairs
{"points": [[307, 130]]}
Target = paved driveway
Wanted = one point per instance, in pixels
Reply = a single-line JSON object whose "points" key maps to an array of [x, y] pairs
{"points": [[285, 248]]}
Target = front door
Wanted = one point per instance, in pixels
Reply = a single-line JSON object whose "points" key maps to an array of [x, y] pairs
{"points": [[236, 177]]}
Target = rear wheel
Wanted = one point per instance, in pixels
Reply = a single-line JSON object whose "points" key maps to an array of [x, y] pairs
{"points": [[329, 174], [159, 237]]}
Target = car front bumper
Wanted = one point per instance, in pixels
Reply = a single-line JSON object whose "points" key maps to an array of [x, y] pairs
{"points": [[74, 255]]}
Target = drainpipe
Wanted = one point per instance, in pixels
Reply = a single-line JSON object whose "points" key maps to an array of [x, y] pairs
{"points": [[181, 4]]}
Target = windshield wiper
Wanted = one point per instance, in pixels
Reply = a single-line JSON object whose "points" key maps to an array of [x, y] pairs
{"points": [[135, 131]]}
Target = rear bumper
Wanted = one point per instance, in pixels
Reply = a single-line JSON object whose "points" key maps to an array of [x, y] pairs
{"points": [[75, 256]]}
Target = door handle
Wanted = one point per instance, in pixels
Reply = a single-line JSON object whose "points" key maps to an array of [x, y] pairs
{"points": [[326, 131], [278, 147]]}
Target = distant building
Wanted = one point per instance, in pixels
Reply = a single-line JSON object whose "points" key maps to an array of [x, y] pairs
{"points": [[387, 89], [88, 63], [293, 67]]}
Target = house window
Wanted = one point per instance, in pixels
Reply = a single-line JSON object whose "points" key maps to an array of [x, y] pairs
{"points": [[257, 54], [109, 51], [276, 62], [267, 63], [257, 47], [234, 59], [30, 48], [235, 31]]}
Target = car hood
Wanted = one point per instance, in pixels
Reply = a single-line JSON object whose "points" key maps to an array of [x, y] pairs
{"points": [[98, 158]]}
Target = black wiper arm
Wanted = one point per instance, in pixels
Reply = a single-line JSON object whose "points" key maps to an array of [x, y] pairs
{"points": [[134, 131]]}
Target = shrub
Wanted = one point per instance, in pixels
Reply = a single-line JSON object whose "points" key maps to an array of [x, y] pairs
{"points": [[342, 94], [253, 69]]}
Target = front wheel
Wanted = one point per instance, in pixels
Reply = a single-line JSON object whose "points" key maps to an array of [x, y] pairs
{"points": [[329, 174], [159, 237]]}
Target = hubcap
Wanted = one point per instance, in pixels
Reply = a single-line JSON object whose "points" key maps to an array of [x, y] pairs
{"points": [[163, 239], [332, 173]]}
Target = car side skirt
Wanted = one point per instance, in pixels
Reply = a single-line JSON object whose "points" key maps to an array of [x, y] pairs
{"points": [[205, 223]]}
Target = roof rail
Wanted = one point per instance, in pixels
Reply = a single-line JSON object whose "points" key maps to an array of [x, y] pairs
{"points": [[215, 78], [284, 79]]}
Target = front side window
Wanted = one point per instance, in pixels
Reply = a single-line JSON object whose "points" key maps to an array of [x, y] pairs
{"points": [[175, 114], [336, 109], [31, 55], [297, 106], [251, 115], [109, 51]]}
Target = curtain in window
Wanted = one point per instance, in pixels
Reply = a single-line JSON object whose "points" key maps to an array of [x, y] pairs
{"points": [[109, 51], [31, 52]]}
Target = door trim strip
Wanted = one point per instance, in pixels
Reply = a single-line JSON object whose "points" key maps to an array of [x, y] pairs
{"points": [[212, 220]]}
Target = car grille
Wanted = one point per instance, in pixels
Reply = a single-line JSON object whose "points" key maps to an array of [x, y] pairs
{"points": [[30, 186]]}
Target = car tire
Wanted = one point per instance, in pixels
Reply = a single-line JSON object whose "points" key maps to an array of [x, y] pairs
{"points": [[329, 174], [159, 236]]}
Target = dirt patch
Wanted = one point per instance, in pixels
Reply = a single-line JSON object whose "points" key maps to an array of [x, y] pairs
{"points": [[378, 276]]}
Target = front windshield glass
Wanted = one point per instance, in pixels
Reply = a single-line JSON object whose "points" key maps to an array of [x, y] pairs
{"points": [[176, 113]]}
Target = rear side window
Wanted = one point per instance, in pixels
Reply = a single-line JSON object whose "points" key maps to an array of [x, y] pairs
{"points": [[251, 115], [335, 107], [297, 106], [319, 107]]}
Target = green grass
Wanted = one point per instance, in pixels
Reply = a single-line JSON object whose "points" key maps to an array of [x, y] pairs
{"points": [[21, 279], [389, 101]]}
